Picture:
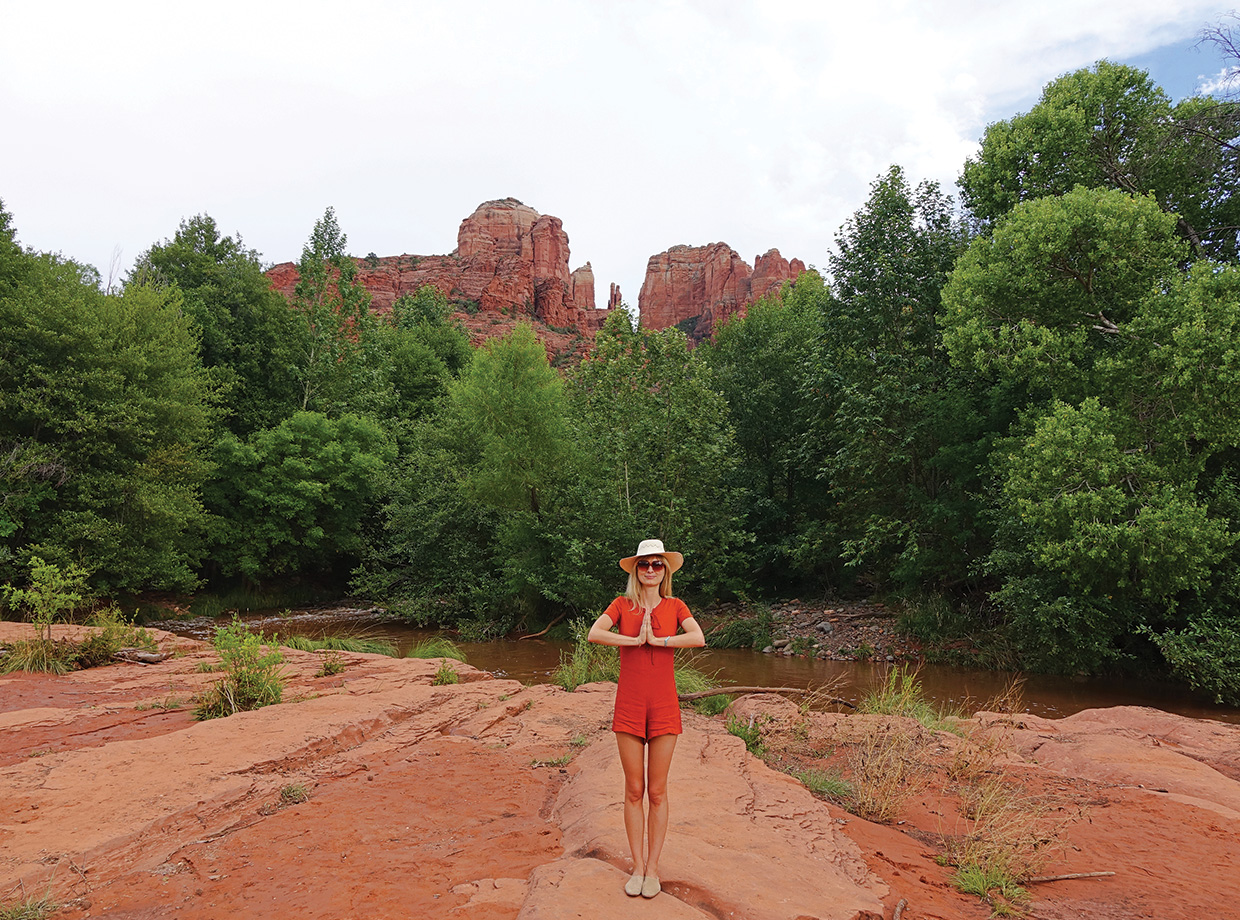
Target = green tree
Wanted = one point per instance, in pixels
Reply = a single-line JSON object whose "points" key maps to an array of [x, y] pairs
{"points": [[249, 337], [898, 433], [1110, 127], [336, 309], [294, 498], [655, 429], [104, 410], [760, 363]]}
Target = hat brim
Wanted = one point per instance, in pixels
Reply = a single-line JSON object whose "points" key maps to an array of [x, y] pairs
{"points": [[674, 560]]}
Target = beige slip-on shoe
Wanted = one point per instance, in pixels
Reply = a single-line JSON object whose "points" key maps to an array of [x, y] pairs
{"points": [[651, 886]]}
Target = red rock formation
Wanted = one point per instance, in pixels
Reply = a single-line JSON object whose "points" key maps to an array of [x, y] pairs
{"points": [[707, 284], [614, 299], [583, 287], [508, 259]]}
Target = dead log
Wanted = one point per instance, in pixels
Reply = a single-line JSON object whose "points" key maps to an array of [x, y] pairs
{"points": [[139, 656], [719, 691], [543, 631], [900, 909], [1060, 878]]}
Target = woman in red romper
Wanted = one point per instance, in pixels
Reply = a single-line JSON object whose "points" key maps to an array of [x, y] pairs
{"points": [[648, 621]]}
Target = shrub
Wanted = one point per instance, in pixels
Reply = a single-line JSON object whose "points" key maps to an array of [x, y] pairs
{"points": [[53, 592], [252, 676], [1207, 655], [114, 633], [885, 772], [445, 675]]}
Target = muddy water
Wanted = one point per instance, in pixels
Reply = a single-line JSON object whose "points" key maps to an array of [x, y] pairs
{"points": [[533, 660]]}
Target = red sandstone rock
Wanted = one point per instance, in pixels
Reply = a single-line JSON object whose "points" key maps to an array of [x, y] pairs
{"points": [[583, 287], [708, 284], [614, 299], [445, 802], [509, 260]]}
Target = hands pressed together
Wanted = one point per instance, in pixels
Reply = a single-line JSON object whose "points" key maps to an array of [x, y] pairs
{"points": [[646, 635]]}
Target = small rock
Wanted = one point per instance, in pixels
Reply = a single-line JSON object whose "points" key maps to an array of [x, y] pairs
{"points": [[781, 643], [768, 650], [825, 627]]}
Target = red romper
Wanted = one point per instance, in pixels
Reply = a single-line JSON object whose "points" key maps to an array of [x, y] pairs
{"points": [[646, 703]]}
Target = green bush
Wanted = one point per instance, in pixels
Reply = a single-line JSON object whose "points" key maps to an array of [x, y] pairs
{"points": [[750, 732], [900, 694], [252, 676], [1207, 656], [746, 631], [114, 633], [445, 675]]}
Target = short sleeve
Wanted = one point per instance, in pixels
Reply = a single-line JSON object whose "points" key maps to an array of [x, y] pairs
{"points": [[613, 611], [682, 612]]}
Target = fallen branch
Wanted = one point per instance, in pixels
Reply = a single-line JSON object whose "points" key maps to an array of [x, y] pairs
{"points": [[140, 656], [900, 909], [719, 691], [543, 631], [1060, 878]]}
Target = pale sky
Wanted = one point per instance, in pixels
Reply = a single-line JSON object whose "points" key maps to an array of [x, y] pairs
{"points": [[641, 124]]}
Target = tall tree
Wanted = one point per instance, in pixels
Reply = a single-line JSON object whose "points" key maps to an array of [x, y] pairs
{"points": [[1109, 126], [898, 431], [336, 309], [249, 337], [104, 410]]}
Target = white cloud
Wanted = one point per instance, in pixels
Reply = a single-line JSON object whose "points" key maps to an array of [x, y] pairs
{"points": [[641, 124]]}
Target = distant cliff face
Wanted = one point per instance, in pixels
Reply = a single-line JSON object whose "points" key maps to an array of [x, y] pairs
{"points": [[708, 284], [508, 258]]}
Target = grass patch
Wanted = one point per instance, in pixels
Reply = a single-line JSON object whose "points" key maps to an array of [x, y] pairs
{"points": [[900, 694], [587, 662], [28, 909], [252, 673], [332, 663], [293, 794], [561, 761], [750, 732], [885, 772], [40, 655], [436, 647], [114, 633], [826, 783], [751, 629]]}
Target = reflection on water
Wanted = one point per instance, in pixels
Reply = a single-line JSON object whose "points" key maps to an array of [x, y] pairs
{"points": [[533, 660]]}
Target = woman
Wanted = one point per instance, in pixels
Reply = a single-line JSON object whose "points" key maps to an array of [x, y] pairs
{"points": [[647, 716]]}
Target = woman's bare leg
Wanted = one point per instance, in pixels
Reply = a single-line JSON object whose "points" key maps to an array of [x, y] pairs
{"points": [[661, 749], [633, 761]]}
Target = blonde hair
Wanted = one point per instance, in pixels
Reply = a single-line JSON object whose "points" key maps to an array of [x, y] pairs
{"points": [[665, 586]]}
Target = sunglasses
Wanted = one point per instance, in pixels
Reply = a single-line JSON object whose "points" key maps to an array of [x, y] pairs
{"points": [[652, 564]]}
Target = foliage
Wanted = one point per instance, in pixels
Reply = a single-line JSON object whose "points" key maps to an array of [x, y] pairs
{"points": [[248, 337], [293, 497], [885, 771], [445, 675], [252, 673], [113, 632], [898, 434], [750, 732], [1206, 656], [1110, 127], [104, 410], [29, 908]]}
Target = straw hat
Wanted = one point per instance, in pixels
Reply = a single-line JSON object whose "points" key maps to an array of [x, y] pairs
{"points": [[652, 548]]}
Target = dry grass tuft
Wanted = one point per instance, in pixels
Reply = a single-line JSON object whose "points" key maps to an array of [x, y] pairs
{"points": [[885, 769]]}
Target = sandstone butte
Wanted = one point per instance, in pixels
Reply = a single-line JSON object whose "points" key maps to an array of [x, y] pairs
{"points": [[512, 263], [489, 799], [707, 285]]}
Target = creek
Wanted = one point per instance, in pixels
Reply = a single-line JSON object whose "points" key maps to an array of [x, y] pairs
{"points": [[533, 661]]}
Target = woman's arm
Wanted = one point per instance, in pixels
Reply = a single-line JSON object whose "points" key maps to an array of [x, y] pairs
{"points": [[601, 634], [692, 636]]}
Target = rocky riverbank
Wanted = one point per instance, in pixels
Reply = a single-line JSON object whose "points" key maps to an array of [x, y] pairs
{"points": [[375, 792]]}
